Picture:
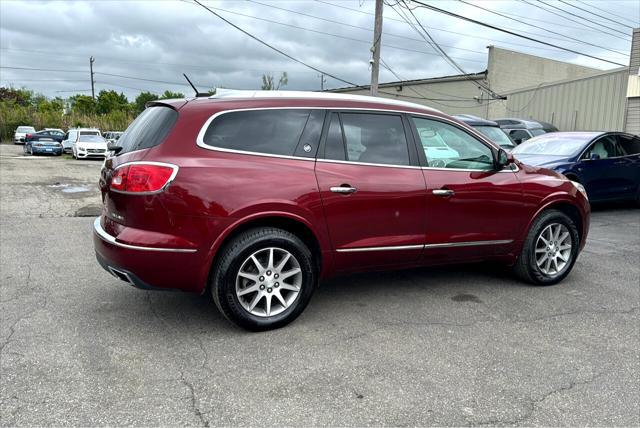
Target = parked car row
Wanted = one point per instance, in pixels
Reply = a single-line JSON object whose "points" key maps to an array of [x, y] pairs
{"points": [[82, 143]]}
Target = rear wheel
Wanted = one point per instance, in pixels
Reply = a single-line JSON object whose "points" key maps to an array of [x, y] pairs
{"points": [[550, 249], [264, 279]]}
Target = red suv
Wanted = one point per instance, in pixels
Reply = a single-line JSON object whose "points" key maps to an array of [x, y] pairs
{"points": [[255, 198]]}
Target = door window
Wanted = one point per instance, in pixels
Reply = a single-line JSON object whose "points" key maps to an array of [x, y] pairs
{"points": [[446, 146], [604, 148], [628, 145], [375, 138]]}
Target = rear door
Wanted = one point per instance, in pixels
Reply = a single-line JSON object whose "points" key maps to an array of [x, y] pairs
{"points": [[372, 190]]}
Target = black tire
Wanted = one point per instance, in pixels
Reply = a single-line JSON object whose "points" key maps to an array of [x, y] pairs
{"points": [[233, 256], [527, 268]]}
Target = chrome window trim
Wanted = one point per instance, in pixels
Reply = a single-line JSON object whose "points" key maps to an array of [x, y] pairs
{"points": [[102, 234], [171, 178], [425, 246], [200, 138]]}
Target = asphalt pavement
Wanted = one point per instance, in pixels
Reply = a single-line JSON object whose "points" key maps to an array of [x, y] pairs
{"points": [[466, 345]]}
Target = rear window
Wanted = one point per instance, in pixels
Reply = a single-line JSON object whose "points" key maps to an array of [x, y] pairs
{"points": [[149, 129], [274, 132], [91, 138]]}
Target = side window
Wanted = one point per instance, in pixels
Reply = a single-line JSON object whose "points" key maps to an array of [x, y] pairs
{"points": [[604, 148], [519, 135], [274, 131], [375, 138], [334, 146], [447, 146], [628, 145]]}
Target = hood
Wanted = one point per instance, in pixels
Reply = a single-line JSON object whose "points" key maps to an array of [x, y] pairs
{"points": [[541, 160]]}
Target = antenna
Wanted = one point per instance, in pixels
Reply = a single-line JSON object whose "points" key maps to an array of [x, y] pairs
{"points": [[198, 94]]}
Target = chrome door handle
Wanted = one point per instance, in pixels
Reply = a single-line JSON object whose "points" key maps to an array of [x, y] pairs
{"points": [[344, 189], [443, 192]]}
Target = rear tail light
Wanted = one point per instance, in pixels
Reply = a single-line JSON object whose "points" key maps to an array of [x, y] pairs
{"points": [[142, 177], [27, 136]]}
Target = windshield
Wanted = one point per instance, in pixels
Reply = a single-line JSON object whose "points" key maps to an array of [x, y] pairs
{"points": [[88, 138], [26, 129], [89, 133], [496, 135], [537, 132], [552, 145]]}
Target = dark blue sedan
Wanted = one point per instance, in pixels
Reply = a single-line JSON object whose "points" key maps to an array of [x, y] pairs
{"points": [[607, 164]]}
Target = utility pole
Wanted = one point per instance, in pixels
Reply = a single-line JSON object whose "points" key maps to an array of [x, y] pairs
{"points": [[322, 80], [93, 92], [375, 49]]}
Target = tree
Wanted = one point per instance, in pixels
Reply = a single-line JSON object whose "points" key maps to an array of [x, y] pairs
{"points": [[83, 104], [109, 101], [142, 99], [268, 82], [168, 94], [21, 97]]}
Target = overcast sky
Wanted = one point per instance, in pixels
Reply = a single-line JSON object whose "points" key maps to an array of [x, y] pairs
{"points": [[161, 39]]}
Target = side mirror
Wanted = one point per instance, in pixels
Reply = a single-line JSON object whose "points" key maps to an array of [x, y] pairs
{"points": [[112, 147], [504, 159], [594, 156]]}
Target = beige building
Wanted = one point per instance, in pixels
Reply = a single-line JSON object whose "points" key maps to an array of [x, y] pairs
{"points": [[632, 118]]}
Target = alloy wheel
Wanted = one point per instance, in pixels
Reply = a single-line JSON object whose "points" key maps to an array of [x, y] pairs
{"points": [[268, 282], [553, 249]]}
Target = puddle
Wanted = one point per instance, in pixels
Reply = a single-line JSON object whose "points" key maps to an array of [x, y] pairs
{"points": [[71, 188]]}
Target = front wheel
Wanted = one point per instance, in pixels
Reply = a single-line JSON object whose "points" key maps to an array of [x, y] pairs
{"points": [[550, 249], [264, 279]]}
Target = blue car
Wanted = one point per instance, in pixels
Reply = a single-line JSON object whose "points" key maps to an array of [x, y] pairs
{"points": [[607, 164], [43, 142]]}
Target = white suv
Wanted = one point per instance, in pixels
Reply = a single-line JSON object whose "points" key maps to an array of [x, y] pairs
{"points": [[74, 135], [21, 132]]}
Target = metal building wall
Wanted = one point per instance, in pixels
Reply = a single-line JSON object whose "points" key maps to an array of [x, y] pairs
{"points": [[595, 103]]}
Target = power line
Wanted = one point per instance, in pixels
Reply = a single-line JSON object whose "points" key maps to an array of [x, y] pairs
{"points": [[532, 25], [431, 42], [635, 23], [627, 36], [43, 69], [593, 13], [473, 36], [344, 37], [273, 47], [385, 33], [484, 24], [564, 39]]}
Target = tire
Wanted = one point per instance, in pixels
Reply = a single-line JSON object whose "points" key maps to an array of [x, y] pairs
{"points": [[528, 266], [227, 285]]}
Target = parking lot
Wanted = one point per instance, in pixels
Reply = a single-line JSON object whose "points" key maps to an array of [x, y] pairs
{"points": [[452, 346]]}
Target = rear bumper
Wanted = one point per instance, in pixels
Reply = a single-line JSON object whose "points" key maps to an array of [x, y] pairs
{"points": [[148, 267]]}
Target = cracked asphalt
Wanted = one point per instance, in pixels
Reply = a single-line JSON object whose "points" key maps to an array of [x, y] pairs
{"points": [[453, 346]]}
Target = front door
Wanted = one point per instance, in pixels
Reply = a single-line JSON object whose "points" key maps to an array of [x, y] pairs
{"points": [[372, 190], [603, 170], [473, 210]]}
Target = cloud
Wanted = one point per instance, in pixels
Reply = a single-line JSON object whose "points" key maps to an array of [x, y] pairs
{"points": [[159, 40]]}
